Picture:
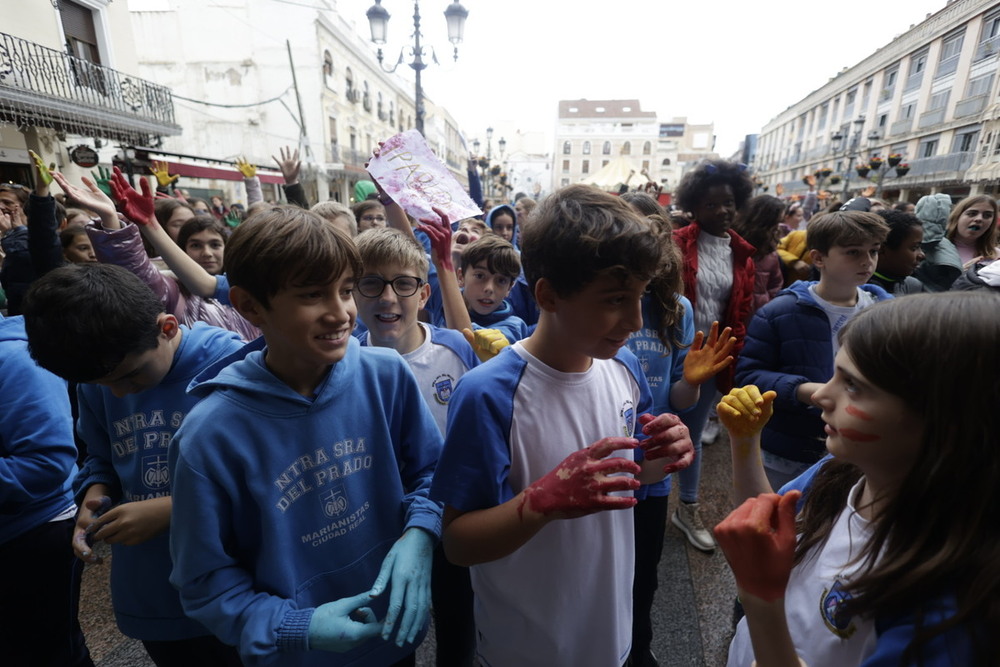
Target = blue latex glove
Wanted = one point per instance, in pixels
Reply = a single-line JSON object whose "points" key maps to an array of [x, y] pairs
{"points": [[407, 569], [343, 624]]}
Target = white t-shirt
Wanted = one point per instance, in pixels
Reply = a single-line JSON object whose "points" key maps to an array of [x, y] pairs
{"points": [[564, 597], [812, 597], [437, 369], [839, 315]]}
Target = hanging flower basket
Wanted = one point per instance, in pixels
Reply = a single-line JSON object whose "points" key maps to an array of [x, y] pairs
{"points": [[825, 171], [862, 170], [895, 159], [875, 163], [834, 180], [902, 169]]}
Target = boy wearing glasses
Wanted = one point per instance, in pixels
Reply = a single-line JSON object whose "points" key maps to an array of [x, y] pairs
{"points": [[389, 294]]}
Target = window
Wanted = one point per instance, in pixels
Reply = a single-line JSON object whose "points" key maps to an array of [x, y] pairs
{"points": [[565, 166], [627, 148], [979, 86], [586, 167], [928, 147], [938, 100], [883, 119], [647, 148], [366, 98], [604, 163], [564, 182], [906, 111], [352, 95], [606, 150], [666, 162], [890, 78], [951, 48], [586, 148], [327, 66], [392, 113], [81, 42], [381, 109], [645, 165], [849, 103], [823, 111], [918, 63], [567, 148], [965, 141]]}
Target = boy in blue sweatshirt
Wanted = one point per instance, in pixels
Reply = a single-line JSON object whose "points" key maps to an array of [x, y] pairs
{"points": [[100, 326], [488, 269], [40, 587], [302, 524]]}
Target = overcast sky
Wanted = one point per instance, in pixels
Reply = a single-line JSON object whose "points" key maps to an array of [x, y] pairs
{"points": [[737, 64]]}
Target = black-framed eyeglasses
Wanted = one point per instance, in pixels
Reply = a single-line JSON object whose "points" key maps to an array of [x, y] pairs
{"points": [[373, 286]]}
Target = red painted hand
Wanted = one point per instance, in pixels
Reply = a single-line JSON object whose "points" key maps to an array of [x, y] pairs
{"points": [[668, 439], [439, 232], [758, 538], [581, 483], [135, 206], [703, 363]]}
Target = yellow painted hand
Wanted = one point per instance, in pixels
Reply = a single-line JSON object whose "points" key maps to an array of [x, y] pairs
{"points": [[43, 171], [486, 343], [162, 172], [744, 410], [248, 170], [702, 363]]}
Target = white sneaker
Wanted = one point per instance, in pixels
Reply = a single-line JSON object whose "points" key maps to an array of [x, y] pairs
{"points": [[688, 519], [710, 433]]}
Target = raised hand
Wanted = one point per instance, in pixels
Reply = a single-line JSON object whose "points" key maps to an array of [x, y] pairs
{"points": [[702, 363], [668, 439], [248, 170], [486, 343], [744, 410], [439, 232], [581, 484], [102, 177], [162, 172], [135, 206], [758, 538], [44, 175], [343, 624], [91, 196], [289, 165], [407, 571]]}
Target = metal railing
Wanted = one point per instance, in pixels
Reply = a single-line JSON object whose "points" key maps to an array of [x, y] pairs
{"points": [[970, 105], [952, 162], [61, 91]]}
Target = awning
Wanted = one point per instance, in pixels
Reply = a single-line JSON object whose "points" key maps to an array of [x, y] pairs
{"points": [[199, 171]]}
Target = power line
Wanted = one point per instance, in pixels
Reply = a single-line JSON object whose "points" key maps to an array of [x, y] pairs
{"points": [[233, 106]]}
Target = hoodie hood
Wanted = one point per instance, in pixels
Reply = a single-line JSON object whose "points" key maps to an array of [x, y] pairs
{"points": [[12, 328], [933, 212], [362, 189], [509, 210]]}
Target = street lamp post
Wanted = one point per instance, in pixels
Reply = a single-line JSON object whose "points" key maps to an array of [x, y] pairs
{"points": [[378, 22], [849, 146]]}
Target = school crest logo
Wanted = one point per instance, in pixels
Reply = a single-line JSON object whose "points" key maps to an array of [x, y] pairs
{"points": [[334, 502], [627, 414], [155, 474], [832, 609], [443, 385], [644, 363]]}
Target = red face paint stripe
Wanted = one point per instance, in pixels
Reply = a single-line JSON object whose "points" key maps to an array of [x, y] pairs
{"points": [[858, 436], [858, 412]]}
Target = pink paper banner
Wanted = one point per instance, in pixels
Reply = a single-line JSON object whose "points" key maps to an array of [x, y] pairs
{"points": [[417, 180]]}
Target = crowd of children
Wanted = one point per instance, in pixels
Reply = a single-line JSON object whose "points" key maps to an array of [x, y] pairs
{"points": [[305, 431]]}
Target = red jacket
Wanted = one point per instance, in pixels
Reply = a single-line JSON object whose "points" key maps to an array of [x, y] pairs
{"points": [[738, 310]]}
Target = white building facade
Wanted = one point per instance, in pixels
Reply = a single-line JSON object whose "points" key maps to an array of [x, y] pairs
{"points": [[927, 100], [241, 99]]}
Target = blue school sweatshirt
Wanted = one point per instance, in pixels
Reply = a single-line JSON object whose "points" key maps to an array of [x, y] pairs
{"points": [[283, 503], [504, 319], [37, 452], [127, 441]]}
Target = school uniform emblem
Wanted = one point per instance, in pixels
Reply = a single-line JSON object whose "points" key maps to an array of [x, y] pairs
{"points": [[334, 502], [627, 414], [443, 385], [155, 474], [832, 610]]}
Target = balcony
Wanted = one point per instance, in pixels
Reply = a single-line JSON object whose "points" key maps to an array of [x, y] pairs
{"points": [[941, 166], [931, 118], [970, 106], [987, 48], [48, 88], [901, 127]]}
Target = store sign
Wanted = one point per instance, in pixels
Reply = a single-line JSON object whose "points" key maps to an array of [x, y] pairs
{"points": [[84, 156]]}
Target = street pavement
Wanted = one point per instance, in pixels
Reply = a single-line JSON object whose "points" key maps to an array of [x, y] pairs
{"points": [[692, 616]]}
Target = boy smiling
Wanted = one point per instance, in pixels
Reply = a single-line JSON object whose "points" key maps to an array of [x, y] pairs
{"points": [[488, 270], [301, 478]]}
